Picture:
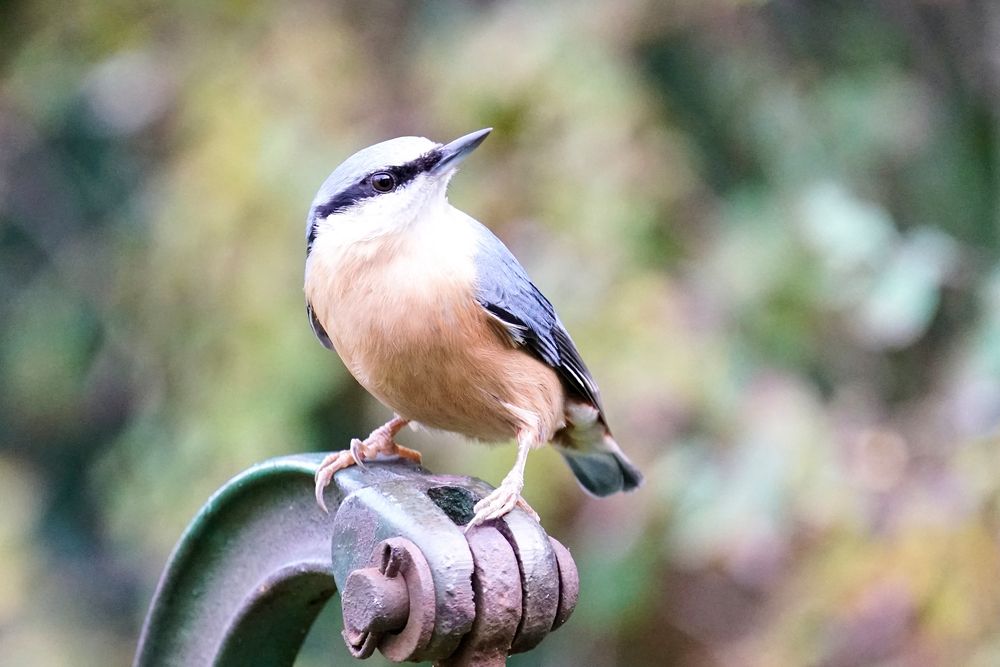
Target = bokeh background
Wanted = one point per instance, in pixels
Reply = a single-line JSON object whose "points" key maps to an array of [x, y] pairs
{"points": [[772, 227]]}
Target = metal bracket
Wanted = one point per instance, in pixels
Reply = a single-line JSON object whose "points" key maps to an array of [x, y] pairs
{"points": [[259, 561]]}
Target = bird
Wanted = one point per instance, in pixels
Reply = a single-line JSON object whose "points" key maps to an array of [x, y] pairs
{"points": [[436, 318]]}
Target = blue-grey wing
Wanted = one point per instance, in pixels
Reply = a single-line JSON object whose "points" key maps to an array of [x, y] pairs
{"points": [[504, 290]]}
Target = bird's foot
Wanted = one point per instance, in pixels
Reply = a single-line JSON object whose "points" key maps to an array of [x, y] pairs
{"points": [[380, 442], [333, 462], [502, 500]]}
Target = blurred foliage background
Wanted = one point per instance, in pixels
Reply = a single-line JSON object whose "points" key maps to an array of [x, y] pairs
{"points": [[772, 227]]}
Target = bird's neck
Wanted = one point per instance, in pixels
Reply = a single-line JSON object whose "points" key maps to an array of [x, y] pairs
{"points": [[438, 238]]}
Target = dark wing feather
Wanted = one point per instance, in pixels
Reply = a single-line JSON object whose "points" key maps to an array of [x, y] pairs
{"points": [[317, 328], [504, 290]]}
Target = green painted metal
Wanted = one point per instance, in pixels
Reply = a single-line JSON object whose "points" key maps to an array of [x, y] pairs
{"points": [[256, 565], [260, 539]]}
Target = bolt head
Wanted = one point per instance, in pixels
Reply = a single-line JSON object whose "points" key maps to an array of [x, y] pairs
{"points": [[373, 602]]}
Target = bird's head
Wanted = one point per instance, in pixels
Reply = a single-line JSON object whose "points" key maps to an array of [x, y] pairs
{"points": [[387, 186]]}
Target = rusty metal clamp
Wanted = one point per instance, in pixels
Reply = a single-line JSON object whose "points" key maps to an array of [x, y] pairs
{"points": [[254, 568], [499, 589]]}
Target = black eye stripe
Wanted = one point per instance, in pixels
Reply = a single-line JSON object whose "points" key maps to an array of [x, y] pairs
{"points": [[363, 189], [403, 174], [343, 199]]}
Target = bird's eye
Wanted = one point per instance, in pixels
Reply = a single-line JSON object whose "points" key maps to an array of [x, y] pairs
{"points": [[383, 181]]}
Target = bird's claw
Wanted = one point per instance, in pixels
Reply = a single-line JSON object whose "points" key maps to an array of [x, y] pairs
{"points": [[523, 504], [379, 442], [327, 468], [357, 452], [501, 501]]}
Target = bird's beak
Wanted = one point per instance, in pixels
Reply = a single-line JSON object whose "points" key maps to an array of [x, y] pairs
{"points": [[452, 154]]}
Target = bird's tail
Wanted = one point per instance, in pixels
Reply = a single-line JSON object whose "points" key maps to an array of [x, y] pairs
{"points": [[592, 453]]}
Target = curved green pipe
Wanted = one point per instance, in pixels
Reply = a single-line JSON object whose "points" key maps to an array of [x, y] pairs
{"points": [[249, 575]]}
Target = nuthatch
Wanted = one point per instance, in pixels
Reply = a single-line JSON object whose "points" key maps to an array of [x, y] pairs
{"points": [[436, 318]]}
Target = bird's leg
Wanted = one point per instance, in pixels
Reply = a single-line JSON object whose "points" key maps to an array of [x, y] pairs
{"points": [[379, 442], [508, 495]]}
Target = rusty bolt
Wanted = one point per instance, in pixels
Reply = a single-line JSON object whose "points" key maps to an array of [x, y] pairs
{"points": [[394, 596], [374, 601]]}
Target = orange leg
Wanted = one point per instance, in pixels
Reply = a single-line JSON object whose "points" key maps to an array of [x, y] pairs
{"points": [[379, 442]]}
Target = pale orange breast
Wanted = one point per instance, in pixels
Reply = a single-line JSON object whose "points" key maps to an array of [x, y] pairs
{"points": [[469, 380], [402, 315]]}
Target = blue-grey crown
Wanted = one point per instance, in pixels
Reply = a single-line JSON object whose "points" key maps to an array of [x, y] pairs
{"points": [[401, 160], [403, 157]]}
